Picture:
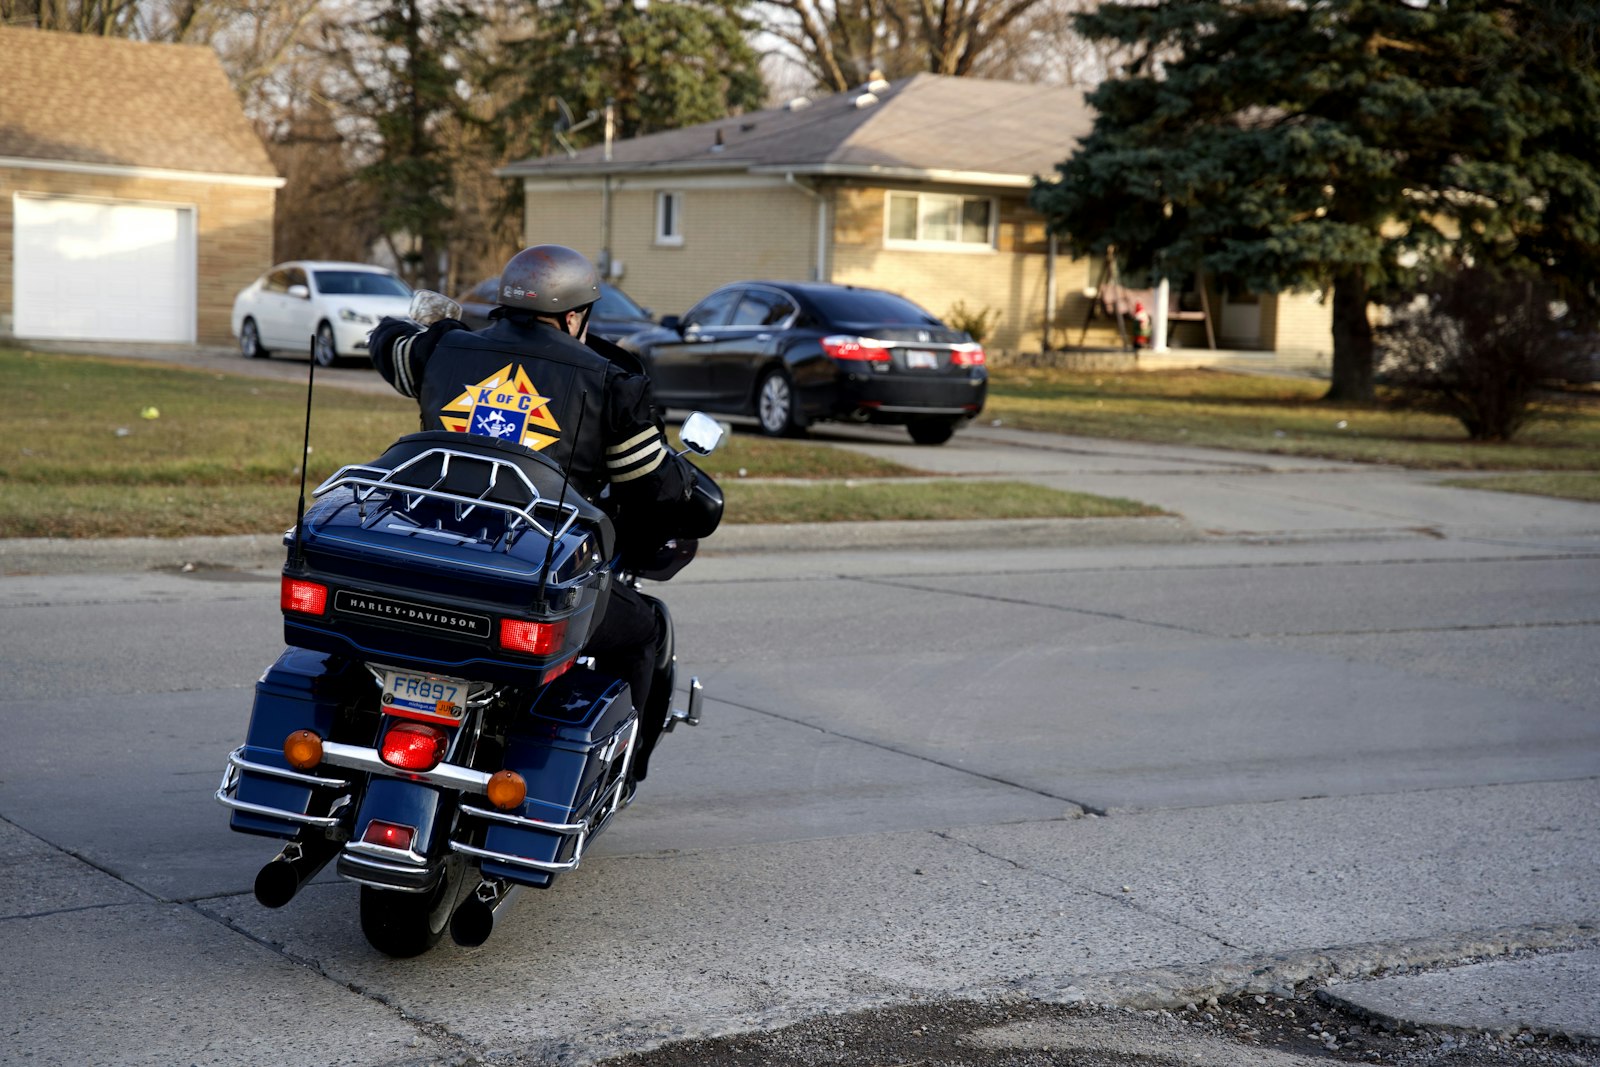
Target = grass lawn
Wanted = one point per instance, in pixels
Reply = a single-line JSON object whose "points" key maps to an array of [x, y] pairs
{"points": [[1283, 415], [78, 457], [1571, 485]]}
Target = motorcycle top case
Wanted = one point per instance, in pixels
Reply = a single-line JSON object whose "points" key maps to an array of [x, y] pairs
{"points": [[425, 554]]}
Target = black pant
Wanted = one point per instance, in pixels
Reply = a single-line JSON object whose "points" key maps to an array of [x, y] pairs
{"points": [[625, 644]]}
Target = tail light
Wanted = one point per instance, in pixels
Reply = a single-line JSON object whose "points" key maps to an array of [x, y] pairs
{"points": [[303, 597], [859, 348], [413, 746], [968, 355], [389, 835], [534, 638]]}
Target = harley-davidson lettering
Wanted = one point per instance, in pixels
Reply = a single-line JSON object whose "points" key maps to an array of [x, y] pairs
{"points": [[402, 611]]}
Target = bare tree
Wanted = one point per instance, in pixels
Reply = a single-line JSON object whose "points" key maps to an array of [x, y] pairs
{"points": [[102, 18], [842, 42]]}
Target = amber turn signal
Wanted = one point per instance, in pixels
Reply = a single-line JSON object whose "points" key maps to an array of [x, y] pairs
{"points": [[303, 750], [507, 790]]}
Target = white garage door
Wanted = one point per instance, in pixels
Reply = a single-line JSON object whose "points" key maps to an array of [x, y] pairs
{"points": [[91, 270]]}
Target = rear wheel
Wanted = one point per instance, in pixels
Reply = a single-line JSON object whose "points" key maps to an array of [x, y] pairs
{"points": [[931, 431], [408, 924], [325, 351], [777, 407], [250, 341]]}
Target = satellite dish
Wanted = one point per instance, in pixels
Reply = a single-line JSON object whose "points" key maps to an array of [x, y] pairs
{"points": [[564, 120]]}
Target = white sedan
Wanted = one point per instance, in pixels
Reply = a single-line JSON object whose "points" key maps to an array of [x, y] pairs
{"points": [[337, 304]]}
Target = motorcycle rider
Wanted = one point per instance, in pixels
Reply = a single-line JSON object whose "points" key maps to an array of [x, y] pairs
{"points": [[534, 376]]}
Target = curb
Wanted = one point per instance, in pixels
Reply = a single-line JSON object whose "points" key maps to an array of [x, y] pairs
{"points": [[60, 555]]}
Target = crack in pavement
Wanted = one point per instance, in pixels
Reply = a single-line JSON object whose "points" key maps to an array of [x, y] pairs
{"points": [[1083, 806]]}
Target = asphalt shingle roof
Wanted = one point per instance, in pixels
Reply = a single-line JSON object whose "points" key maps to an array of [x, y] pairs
{"points": [[84, 99], [923, 123]]}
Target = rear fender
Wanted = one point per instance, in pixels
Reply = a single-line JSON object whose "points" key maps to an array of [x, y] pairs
{"points": [[424, 809]]}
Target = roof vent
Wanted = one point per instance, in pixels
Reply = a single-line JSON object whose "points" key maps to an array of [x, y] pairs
{"points": [[865, 100], [799, 103], [718, 146], [877, 85]]}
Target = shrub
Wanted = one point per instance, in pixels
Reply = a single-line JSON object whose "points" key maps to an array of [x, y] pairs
{"points": [[1477, 345], [977, 323]]}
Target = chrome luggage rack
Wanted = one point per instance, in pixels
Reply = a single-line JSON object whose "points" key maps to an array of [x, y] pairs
{"points": [[466, 780], [366, 481]]}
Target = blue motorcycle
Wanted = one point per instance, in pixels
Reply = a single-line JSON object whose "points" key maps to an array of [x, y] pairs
{"points": [[434, 724]]}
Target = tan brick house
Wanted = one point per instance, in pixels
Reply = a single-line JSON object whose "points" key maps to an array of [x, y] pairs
{"points": [[919, 186], [135, 198]]}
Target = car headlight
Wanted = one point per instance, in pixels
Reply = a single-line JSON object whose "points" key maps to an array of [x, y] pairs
{"points": [[351, 315]]}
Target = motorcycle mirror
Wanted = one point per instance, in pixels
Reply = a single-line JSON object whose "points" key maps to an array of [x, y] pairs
{"points": [[701, 433]]}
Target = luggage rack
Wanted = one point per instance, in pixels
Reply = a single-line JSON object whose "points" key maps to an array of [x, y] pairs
{"points": [[366, 482]]}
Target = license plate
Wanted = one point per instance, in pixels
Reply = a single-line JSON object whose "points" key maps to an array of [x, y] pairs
{"points": [[922, 359], [412, 695]]}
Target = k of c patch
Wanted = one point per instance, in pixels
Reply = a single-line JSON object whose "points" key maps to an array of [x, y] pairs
{"points": [[506, 406]]}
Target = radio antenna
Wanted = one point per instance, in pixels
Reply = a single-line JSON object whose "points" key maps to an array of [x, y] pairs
{"points": [[305, 454], [561, 501]]}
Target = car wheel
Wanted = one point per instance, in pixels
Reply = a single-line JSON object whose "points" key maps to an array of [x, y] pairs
{"points": [[324, 350], [250, 341], [777, 407], [931, 431]]}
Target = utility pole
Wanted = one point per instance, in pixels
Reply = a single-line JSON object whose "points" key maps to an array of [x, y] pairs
{"points": [[605, 207]]}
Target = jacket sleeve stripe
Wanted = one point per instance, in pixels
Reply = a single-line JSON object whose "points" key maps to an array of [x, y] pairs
{"points": [[635, 440], [403, 380], [637, 456], [640, 472]]}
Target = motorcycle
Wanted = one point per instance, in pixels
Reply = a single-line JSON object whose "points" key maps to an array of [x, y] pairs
{"points": [[434, 726]]}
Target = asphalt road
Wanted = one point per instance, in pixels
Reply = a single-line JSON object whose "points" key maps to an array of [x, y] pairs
{"points": [[1330, 721]]}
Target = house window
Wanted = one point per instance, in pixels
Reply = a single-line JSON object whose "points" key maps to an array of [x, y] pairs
{"points": [[939, 220], [669, 218]]}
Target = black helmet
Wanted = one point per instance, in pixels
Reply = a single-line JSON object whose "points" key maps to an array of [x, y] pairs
{"points": [[549, 278]]}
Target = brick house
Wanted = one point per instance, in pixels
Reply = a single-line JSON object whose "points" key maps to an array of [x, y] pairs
{"points": [[919, 186], [135, 198]]}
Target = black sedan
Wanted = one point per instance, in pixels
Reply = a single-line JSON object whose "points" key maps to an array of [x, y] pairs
{"points": [[792, 353], [615, 316]]}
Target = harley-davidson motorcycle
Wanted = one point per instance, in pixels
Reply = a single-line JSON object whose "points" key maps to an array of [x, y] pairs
{"points": [[434, 724]]}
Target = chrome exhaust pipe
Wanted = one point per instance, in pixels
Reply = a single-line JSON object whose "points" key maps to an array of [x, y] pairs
{"points": [[473, 921], [297, 864]]}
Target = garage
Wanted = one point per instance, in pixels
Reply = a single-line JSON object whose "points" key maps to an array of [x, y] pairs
{"points": [[92, 270]]}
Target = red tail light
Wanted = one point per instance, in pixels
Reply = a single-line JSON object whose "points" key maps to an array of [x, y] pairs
{"points": [[968, 355], [534, 638], [413, 746], [307, 598], [841, 347], [389, 835]]}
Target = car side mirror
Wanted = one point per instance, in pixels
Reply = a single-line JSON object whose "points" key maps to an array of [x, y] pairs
{"points": [[673, 323], [701, 433], [300, 292]]}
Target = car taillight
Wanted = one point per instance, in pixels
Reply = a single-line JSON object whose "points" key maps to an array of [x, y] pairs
{"points": [[413, 746], [862, 348], [389, 835], [968, 355], [534, 638], [307, 598]]}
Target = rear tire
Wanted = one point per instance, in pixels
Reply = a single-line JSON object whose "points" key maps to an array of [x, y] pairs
{"points": [[931, 431], [250, 341], [777, 406], [403, 925]]}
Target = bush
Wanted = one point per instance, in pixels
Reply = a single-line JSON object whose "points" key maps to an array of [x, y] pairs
{"points": [[1477, 345], [977, 323]]}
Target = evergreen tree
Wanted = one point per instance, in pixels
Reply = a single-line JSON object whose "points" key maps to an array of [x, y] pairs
{"points": [[404, 62], [1343, 144], [664, 65]]}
